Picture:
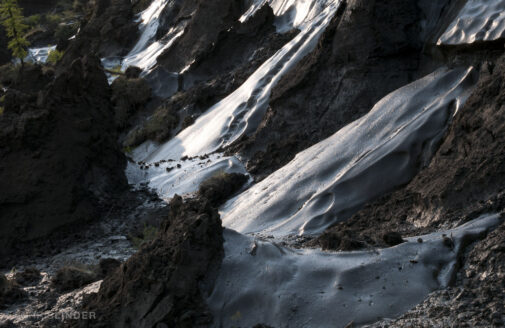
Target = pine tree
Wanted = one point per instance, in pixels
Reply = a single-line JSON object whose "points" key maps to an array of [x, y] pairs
{"points": [[11, 18]]}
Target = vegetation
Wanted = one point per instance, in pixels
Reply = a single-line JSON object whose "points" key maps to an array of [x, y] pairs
{"points": [[148, 235], [128, 150], [116, 70], [33, 20], [54, 56], [8, 74], [11, 18]]}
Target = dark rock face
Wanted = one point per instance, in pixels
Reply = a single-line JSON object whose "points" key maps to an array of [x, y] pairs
{"points": [[464, 179], [110, 31], [72, 277], [237, 43], [28, 277], [203, 21], [392, 238], [59, 158], [129, 96], [219, 188], [166, 281], [369, 50], [10, 292], [340, 240]]}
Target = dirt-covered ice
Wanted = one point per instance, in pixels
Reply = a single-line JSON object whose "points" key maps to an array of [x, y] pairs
{"points": [[260, 281]]}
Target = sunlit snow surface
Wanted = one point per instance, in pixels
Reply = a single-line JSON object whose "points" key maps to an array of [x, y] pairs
{"points": [[261, 282], [242, 111], [479, 20], [147, 49], [184, 179], [368, 157]]}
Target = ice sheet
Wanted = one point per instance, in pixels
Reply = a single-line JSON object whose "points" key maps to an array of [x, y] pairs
{"points": [[242, 111], [332, 179], [478, 20], [261, 282]]}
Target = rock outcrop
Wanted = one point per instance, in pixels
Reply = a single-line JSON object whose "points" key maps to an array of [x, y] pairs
{"points": [[167, 280], [109, 31], [60, 163], [210, 79], [202, 21]]}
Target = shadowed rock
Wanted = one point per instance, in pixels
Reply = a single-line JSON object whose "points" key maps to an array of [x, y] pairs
{"points": [[167, 280]]}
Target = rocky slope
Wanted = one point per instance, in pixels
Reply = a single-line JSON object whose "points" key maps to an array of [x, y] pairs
{"points": [[59, 154], [209, 79], [464, 179], [167, 281], [475, 300], [61, 165], [374, 48], [161, 283], [109, 31]]}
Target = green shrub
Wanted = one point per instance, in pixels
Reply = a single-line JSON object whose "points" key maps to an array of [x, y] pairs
{"points": [[33, 20], [54, 56], [148, 235], [53, 19], [11, 17], [116, 70]]}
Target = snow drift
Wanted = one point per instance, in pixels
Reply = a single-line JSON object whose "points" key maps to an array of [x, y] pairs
{"points": [[332, 179]]}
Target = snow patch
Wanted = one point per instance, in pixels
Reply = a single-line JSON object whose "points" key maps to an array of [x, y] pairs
{"points": [[478, 20], [181, 177], [329, 181]]}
